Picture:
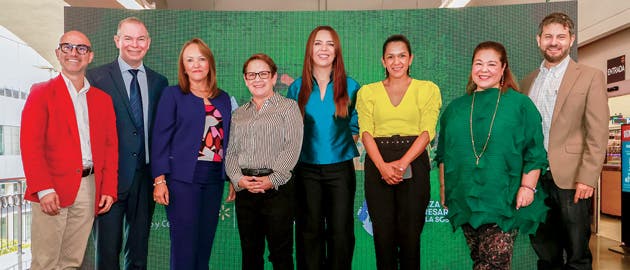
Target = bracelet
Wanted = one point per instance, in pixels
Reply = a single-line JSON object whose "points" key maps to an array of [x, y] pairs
{"points": [[159, 182], [530, 188]]}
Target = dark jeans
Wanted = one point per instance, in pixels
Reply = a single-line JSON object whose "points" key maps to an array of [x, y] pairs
{"points": [[397, 211], [193, 215], [267, 216], [136, 209], [566, 230], [324, 224]]}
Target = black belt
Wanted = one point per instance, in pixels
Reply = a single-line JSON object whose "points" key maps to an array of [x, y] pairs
{"points": [[256, 172], [87, 171], [396, 139]]}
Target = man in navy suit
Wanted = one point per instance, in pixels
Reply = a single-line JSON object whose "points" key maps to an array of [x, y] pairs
{"points": [[135, 91]]}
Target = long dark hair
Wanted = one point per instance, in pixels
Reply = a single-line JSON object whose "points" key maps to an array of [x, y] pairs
{"points": [[340, 84], [396, 38]]}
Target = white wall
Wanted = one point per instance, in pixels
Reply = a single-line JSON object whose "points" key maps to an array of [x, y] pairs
{"points": [[599, 18], [596, 54], [20, 67]]}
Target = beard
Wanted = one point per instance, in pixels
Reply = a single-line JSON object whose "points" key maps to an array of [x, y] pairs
{"points": [[554, 59]]}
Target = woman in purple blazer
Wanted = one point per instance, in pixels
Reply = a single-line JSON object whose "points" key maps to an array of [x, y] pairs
{"points": [[190, 137]]}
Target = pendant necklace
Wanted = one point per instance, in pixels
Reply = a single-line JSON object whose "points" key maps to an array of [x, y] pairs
{"points": [[472, 137]]}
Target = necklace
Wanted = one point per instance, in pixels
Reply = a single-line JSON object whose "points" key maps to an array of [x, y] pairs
{"points": [[201, 93], [472, 137]]}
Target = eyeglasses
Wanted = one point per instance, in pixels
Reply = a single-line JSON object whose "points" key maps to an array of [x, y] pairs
{"points": [[252, 75], [68, 47]]}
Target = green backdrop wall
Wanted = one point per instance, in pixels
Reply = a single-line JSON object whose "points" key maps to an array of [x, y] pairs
{"points": [[442, 41]]}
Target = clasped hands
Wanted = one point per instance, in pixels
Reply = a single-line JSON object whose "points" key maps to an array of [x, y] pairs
{"points": [[255, 184], [392, 172]]}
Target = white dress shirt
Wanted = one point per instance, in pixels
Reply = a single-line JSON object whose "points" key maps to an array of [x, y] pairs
{"points": [[80, 104], [544, 93], [144, 92]]}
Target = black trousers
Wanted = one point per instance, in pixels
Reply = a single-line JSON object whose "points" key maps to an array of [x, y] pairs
{"points": [[566, 230], [397, 211], [131, 215], [267, 216], [325, 225]]}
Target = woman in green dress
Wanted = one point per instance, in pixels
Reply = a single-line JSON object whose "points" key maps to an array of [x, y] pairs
{"points": [[490, 153]]}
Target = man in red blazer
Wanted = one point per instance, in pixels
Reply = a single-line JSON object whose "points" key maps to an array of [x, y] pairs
{"points": [[70, 157]]}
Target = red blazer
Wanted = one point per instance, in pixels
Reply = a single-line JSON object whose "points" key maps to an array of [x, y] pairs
{"points": [[51, 150]]}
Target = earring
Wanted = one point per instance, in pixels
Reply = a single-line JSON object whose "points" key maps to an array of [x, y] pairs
{"points": [[502, 81]]}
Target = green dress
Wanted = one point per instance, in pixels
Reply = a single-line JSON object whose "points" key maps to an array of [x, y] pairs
{"points": [[485, 193]]}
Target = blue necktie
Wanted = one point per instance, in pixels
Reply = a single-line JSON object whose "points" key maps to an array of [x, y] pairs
{"points": [[135, 101]]}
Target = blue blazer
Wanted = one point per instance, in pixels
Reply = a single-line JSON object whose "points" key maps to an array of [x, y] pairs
{"points": [[109, 78], [179, 129]]}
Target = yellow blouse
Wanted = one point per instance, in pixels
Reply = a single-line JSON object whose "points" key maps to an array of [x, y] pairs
{"points": [[418, 110]]}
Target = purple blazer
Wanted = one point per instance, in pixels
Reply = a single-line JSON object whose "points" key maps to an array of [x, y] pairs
{"points": [[178, 131]]}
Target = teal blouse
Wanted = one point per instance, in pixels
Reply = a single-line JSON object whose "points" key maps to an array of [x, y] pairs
{"points": [[327, 139], [486, 193]]}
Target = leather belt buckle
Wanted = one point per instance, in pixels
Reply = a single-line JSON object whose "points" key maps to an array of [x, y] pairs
{"points": [[257, 172], [87, 171], [395, 139]]}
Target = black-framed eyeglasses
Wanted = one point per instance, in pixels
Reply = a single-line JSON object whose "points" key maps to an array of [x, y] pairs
{"points": [[263, 75], [68, 47]]}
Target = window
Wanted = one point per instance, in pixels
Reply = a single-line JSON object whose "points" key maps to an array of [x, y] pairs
{"points": [[1, 139], [9, 140], [12, 93]]}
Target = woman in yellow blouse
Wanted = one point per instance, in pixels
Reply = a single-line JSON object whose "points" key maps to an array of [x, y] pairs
{"points": [[397, 118]]}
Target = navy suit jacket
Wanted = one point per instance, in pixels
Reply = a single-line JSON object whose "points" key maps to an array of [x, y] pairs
{"points": [[108, 77], [179, 129]]}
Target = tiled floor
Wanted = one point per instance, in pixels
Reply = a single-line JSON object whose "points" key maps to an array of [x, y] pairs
{"points": [[609, 227], [605, 259], [608, 236]]}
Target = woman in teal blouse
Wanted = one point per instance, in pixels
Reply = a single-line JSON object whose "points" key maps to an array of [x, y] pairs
{"points": [[325, 177], [490, 153]]}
